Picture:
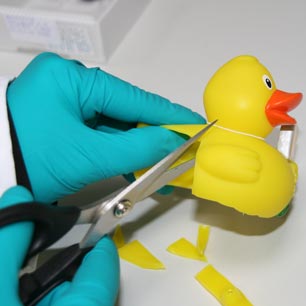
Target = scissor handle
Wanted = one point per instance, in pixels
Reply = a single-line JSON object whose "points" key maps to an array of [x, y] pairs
{"points": [[61, 267], [51, 222]]}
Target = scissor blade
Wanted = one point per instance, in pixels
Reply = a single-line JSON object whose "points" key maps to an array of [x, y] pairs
{"points": [[110, 220], [144, 186], [167, 177], [134, 191]]}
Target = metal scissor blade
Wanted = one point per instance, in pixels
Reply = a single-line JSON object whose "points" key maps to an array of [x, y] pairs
{"points": [[144, 186], [88, 214], [167, 177], [134, 191]]}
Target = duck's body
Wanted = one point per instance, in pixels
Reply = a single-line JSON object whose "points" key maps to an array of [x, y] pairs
{"points": [[240, 171], [243, 172], [234, 165]]}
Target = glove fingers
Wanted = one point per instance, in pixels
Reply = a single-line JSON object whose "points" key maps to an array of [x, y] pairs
{"points": [[94, 156], [96, 282], [98, 276], [125, 152], [17, 194], [96, 91], [14, 241], [120, 100], [87, 92], [97, 279]]}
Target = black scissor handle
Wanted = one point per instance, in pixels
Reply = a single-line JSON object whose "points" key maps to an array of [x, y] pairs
{"points": [[51, 222], [61, 267]]}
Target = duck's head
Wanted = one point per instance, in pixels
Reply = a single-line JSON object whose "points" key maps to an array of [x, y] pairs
{"points": [[242, 95]]}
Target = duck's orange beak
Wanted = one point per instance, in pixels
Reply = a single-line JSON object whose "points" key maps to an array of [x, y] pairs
{"points": [[279, 104]]}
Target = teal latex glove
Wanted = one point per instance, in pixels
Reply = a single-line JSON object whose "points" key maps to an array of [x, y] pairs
{"points": [[75, 125], [14, 242], [95, 283]]}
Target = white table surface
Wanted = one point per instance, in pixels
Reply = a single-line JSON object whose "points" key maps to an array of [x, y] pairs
{"points": [[173, 50]]}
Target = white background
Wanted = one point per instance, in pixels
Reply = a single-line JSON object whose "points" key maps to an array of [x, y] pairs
{"points": [[173, 50]]}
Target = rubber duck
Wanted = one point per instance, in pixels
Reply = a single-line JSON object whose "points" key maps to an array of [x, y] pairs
{"points": [[234, 165]]}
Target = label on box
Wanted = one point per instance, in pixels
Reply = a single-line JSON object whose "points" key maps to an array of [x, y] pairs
{"points": [[48, 34], [32, 29]]}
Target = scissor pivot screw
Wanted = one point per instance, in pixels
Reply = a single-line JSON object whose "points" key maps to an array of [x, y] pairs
{"points": [[122, 208]]}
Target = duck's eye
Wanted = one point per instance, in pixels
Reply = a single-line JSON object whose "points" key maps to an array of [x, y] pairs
{"points": [[267, 81]]}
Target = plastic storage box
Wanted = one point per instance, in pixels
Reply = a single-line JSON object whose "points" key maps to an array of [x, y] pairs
{"points": [[83, 29]]}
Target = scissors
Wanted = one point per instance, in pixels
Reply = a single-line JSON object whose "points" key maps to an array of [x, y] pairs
{"points": [[53, 222]]}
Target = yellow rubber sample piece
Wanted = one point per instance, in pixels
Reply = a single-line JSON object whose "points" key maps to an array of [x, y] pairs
{"points": [[118, 237], [185, 248], [203, 235], [225, 292], [135, 253]]}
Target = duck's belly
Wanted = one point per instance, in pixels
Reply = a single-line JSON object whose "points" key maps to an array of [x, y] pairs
{"points": [[260, 183], [241, 172]]}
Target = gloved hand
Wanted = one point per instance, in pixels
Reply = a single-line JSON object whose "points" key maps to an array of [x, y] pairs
{"points": [[14, 241], [95, 283], [75, 125]]}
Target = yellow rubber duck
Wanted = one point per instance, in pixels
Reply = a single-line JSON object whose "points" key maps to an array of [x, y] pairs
{"points": [[234, 165]]}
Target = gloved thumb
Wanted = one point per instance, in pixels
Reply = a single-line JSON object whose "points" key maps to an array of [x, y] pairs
{"points": [[96, 282], [14, 241], [15, 195]]}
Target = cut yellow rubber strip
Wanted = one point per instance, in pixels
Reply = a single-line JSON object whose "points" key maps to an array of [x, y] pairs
{"points": [[134, 252], [118, 237], [203, 235], [225, 292], [183, 247]]}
